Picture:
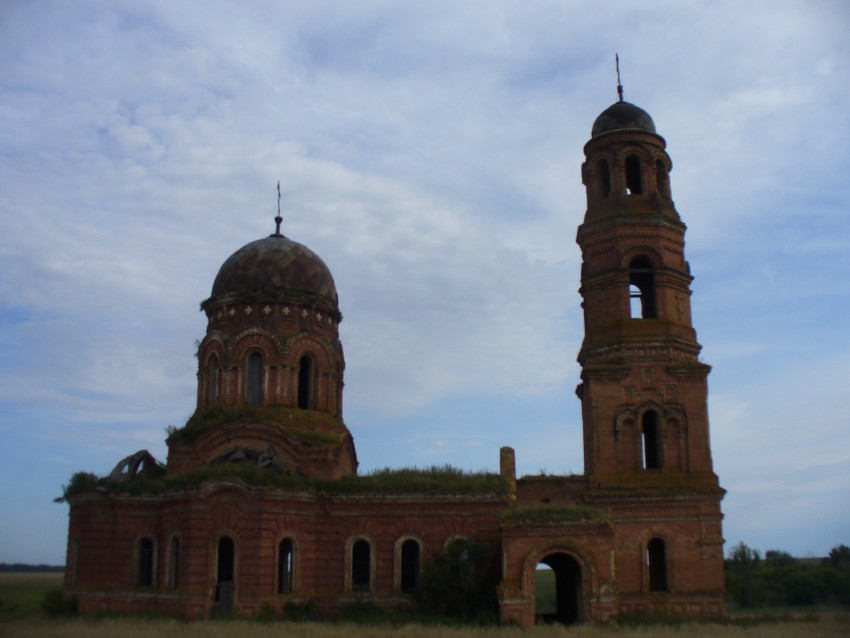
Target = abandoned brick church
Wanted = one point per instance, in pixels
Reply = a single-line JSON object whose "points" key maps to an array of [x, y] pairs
{"points": [[259, 504]]}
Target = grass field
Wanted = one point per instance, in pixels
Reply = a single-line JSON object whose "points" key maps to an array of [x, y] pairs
{"points": [[20, 615], [835, 627], [21, 593]]}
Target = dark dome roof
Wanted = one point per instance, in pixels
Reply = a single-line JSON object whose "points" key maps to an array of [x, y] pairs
{"points": [[275, 264], [621, 115]]}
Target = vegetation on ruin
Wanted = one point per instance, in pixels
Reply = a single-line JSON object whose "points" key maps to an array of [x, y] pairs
{"points": [[778, 579], [437, 479], [554, 514], [460, 582], [203, 420], [434, 480]]}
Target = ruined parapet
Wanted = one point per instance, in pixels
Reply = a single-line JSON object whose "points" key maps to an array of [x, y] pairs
{"points": [[507, 470]]}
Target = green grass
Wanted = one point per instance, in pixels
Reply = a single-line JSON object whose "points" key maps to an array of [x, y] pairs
{"points": [[544, 585], [433, 480], [21, 593]]}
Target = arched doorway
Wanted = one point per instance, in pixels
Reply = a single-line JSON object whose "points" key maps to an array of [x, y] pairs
{"points": [[224, 580], [558, 597]]}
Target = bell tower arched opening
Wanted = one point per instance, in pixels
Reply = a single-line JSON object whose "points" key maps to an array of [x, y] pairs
{"points": [[642, 288], [634, 179], [650, 441], [604, 177], [558, 596]]}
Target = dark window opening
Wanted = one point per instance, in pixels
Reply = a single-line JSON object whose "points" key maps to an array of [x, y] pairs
{"points": [[212, 380], [642, 289], [255, 379], [286, 567], [634, 183], [174, 564], [361, 566], [225, 572], [409, 566], [656, 564], [305, 382], [663, 179], [604, 177], [651, 441], [145, 571], [226, 554]]}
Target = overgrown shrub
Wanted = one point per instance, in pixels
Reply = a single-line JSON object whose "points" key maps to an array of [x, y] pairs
{"points": [[80, 483], [55, 605], [460, 582]]}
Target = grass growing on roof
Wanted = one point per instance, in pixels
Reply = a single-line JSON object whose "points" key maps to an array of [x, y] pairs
{"points": [[434, 480]]}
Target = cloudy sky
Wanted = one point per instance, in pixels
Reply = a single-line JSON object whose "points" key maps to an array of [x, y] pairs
{"points": [[430, 153]]}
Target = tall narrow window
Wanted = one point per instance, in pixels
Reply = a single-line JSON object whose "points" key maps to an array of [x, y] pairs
{"points": [[656, 564], [361, 566], [174, 563], [144, 576], [305, 382], [254, 395], [651, 441], [225, 586], [663, 179], [642, 288], [604, 177], [634, 183], [286, 567], [212, 380], [409, 566]]}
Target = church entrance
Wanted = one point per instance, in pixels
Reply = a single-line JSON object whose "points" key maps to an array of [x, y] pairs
{"points": [[224, 582], [558, 587]]}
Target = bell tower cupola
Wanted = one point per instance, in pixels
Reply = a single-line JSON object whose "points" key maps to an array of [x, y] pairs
{"points": [[643, 388]]}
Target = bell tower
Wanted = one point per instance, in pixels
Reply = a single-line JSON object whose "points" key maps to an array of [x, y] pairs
{"points": [[643, 389]]}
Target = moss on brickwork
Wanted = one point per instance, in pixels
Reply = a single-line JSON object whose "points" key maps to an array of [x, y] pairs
{"points": [[559, 514], [204, 420]]}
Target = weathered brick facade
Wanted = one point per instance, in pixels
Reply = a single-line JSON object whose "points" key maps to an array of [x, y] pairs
{"points": [[639, 531]]}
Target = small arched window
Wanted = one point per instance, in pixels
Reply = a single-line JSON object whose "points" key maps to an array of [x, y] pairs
{"points": [[642, 289], [656, 564], [306, 374], [254, 394], [634, 181], [144, 576], [361, 566], [174, 563], [604, 177], [651, 441], [286, 567], [663, 179], [409, 566], [212, 380]]}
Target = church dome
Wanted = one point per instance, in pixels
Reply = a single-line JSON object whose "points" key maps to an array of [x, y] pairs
{"points": [[622, 115], [275, 265]]}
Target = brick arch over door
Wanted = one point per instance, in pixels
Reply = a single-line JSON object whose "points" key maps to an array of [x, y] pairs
{"points": [[584, 562]]}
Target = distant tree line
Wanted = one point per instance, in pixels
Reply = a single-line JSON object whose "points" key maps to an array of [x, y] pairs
{"points": [[778, 579], [23, 567]]}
